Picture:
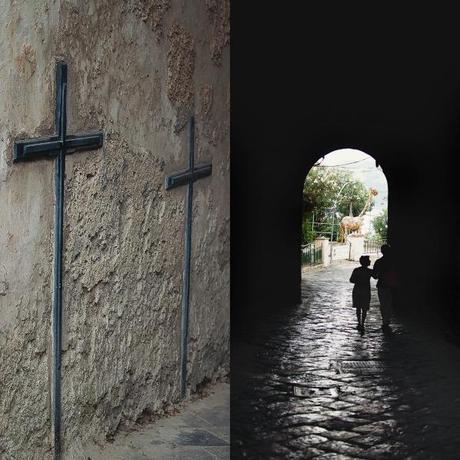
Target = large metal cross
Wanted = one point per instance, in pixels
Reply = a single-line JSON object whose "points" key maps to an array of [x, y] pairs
{"points": [[57, 147], [187, 177]]}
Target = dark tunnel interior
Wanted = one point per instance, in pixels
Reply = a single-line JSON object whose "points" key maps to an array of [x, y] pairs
{"points": [[309, 80]]}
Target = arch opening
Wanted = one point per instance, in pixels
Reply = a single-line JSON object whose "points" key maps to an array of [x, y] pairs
{"points": [[345, 209]]}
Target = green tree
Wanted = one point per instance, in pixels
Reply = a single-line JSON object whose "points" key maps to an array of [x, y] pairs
{"points": [[321, 192], [380, 224]]}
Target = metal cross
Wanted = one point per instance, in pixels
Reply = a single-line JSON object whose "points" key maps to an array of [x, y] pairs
{"points": [[57, 147], [183, 177]]}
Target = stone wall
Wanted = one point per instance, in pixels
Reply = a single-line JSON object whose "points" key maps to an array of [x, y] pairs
{"points": [[137, 71]]}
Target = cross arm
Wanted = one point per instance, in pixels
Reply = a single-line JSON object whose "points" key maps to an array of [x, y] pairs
{"points": [[89, 141], [50, 146], [186, 176], [36, 148]]}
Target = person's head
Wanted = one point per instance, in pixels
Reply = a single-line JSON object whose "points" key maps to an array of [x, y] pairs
{"points": [[364, 261], [385, 249]]}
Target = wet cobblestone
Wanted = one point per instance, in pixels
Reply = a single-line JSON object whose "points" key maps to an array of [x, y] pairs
{"points": [[297, 400]]}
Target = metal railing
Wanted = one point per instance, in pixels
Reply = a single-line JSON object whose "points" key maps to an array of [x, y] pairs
{"points": [[373, 246], [311, 255], [324, 228]]}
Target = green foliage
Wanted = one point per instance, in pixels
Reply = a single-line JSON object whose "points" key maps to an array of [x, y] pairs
{"points": [[321, 193], [380, 224], [308, 234]]}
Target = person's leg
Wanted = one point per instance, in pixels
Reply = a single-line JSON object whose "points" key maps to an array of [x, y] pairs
{"points": [[363, 316], [380, 295], [385, 305], [358, 316], [382, 300], [389, 305]]}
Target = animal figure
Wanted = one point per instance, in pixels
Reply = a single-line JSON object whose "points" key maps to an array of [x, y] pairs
{"points": [[352, 224]]}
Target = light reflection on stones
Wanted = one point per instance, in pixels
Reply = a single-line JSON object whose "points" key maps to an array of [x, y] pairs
{"points": [[292, 403]]}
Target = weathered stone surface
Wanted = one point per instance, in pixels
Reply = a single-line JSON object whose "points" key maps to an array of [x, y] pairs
{"points": [[219, 11], [153, 12], [123, 233], [181, 64]]}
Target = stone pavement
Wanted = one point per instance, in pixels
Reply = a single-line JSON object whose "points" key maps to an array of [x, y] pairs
{"points": [[308, 385], [201, 431]]}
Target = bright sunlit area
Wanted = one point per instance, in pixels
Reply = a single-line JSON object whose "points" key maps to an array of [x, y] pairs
{"points": [[345, 194]]}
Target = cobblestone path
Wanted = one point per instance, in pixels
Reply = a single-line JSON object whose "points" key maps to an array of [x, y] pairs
{"points": [[298, 396]]}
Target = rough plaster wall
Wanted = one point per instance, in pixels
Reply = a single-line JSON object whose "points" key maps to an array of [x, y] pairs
{"points": [[137, 70], [26, 217], [211, 249]]}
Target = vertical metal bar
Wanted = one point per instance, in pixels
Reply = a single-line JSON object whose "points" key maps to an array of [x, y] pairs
{"points": [[188, 251], [191, 144], [61, 90], [57, 303], [332, 232]]}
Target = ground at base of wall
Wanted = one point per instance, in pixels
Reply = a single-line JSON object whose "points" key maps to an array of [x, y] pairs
{"points": [[200, 431]]}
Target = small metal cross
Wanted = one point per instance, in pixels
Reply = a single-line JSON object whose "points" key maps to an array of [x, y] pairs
{"points": [[57, 147], [183, 177]]}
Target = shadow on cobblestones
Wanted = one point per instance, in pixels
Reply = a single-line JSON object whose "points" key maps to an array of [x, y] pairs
{"points": [[308, 385]]}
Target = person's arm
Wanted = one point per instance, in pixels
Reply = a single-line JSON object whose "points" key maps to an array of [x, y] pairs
{"points": [[375, 270], [353, 277]]}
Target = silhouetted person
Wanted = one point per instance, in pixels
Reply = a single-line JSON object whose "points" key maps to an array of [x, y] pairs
{"points": [[384, 271], [361, 277]]}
